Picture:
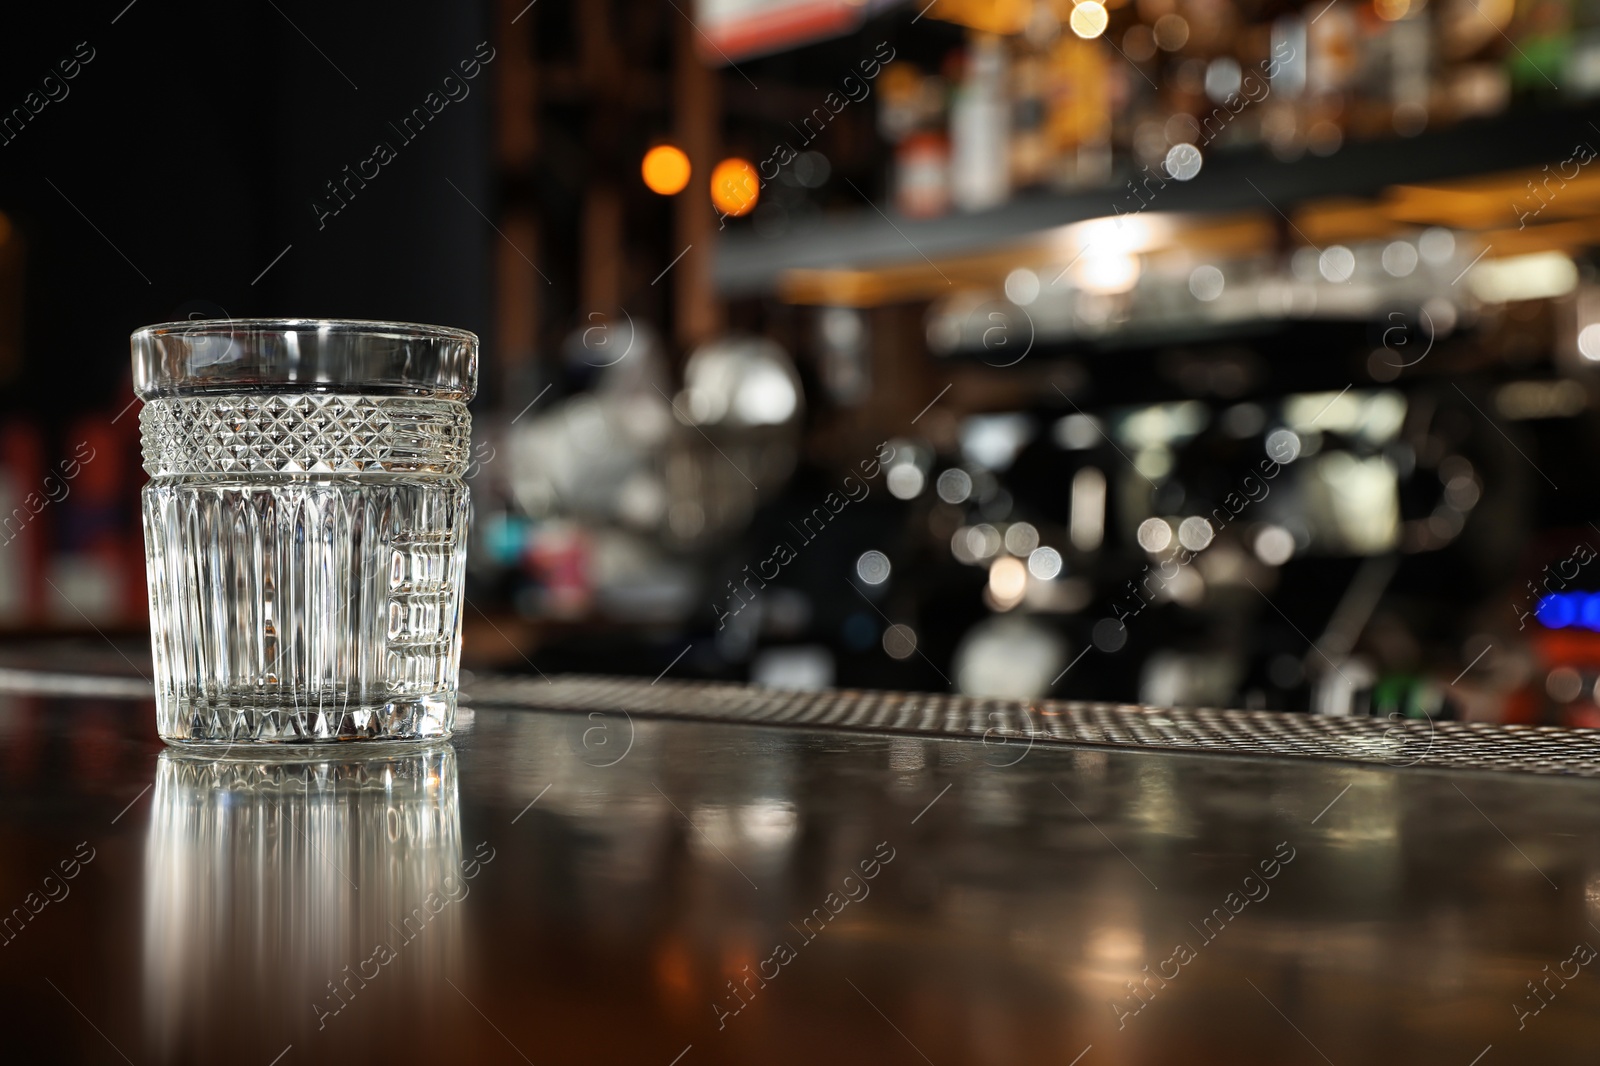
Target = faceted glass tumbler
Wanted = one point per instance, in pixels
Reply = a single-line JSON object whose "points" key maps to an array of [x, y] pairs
{"points": [[305, 526]]}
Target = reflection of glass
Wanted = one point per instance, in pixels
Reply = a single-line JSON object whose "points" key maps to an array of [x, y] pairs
{"points": [[283, 897], [305, 526]]}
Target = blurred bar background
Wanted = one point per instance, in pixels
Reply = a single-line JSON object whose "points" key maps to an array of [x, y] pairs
{"points": [[1194, 352]]}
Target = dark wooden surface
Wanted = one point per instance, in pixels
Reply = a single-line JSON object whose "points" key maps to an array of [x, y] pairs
{"points": [[560, 887]]}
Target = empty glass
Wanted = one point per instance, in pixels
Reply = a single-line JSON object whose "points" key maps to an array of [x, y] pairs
{"points": [[305, 526]]}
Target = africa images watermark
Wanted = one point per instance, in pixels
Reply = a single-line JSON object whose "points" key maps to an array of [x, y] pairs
{"points": [[1252, 90], [1164, 573], [414, 923], [34, 903], [1528, 606], [411, 126], [784, 553], [810, 927], [1581, 156], [1398, 335], [1582, 955], [1232, 506], [52, 90], [1210, 927], [832, 105], [34, 504], [597, 747]]}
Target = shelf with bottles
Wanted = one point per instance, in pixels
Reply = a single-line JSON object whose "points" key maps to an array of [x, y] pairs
{"points": [[1048, 93], [1031, 126], [1548, 148], [1418, 267]]}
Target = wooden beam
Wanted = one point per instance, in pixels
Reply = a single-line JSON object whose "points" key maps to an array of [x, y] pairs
{"points": [[518, 285], [698, 315]]}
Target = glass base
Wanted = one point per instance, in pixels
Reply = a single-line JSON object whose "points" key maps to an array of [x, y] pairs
{"points": [[222, 722]]}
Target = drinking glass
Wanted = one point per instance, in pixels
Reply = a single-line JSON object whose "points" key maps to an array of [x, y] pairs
{"points": [[305, 526]]}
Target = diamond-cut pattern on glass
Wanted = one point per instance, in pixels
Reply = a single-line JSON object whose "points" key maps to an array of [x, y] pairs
{"points": [[302, 433]]}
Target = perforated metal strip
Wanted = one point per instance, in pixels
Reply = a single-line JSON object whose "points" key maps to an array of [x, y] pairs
{"points": [[1378, 742]]}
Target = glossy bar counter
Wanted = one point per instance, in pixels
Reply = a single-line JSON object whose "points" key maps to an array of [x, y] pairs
{"points": [[630, 874]]}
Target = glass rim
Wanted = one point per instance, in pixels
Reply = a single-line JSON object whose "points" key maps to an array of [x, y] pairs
{"points": [[363, 356], [377, 327]]}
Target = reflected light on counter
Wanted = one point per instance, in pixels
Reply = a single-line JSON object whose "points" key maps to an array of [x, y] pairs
{"points": [[767, 823], [265, 861], [721, 829], [1088, 522]]}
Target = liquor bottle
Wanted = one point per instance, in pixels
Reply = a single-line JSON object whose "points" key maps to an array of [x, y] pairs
{"points": [[980, 128]]}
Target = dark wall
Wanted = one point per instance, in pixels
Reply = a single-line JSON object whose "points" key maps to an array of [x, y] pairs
{"points": [[192, 147]]}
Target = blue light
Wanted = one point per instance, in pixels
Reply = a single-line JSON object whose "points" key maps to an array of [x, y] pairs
{"points": [[1589, 612], [504, 537], [1558, 611]]}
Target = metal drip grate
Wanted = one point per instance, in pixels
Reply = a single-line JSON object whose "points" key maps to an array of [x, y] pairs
{"points": [[1378, 742]]}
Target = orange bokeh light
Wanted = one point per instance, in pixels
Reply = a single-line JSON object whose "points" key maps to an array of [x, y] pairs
{"points": [[665, 169], [734, 187]]}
